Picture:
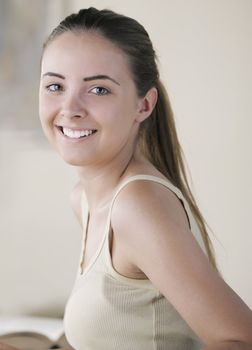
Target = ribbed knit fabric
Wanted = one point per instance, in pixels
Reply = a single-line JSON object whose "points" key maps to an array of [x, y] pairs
{"points": [[108, 311]]}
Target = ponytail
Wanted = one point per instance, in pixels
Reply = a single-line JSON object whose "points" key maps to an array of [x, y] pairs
{"points": [[159, 142]]}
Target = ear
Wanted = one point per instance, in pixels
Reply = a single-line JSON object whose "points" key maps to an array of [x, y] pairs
{"points": [[146, 105]]}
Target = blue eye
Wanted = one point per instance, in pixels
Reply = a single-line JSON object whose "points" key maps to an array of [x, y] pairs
{"points": [[101, 91], [53, 87]]}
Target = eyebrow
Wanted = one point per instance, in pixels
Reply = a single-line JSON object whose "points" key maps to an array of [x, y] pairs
{"points": [[51, 74], [100, 76], [94, 77]]}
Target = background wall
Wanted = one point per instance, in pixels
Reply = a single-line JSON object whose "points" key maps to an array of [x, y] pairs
{"points": [[205, 54]]}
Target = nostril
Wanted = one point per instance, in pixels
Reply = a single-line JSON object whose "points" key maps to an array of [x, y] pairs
{"points": [[72, 114]]}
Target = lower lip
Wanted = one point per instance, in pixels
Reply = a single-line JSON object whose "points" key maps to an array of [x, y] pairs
{"points": [[73, 140]]}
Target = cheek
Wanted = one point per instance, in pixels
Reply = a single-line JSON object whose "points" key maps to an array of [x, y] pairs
{"points": [[120, 113], [46, 118], [42, 105], [46, 109]]}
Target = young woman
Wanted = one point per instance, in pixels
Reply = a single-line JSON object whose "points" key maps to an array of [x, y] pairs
{"points": [[147, 277]]}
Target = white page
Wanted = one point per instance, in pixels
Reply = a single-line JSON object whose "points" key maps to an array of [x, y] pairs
{"points": [[51, 327]]}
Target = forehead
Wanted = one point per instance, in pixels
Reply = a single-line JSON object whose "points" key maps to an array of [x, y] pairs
{"points": [[87, 53]]}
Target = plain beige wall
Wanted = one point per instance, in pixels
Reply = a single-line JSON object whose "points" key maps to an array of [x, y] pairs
{"points": [[205, 60]]}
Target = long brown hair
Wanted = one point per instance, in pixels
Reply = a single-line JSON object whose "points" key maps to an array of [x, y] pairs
{"points": [[159, 142], [157, 137]]}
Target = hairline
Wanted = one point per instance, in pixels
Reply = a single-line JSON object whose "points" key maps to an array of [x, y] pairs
{"points": [[95, 31]]}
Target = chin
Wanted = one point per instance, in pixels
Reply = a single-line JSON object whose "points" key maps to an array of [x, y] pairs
{"points": [[71, 157], [73, 161]]}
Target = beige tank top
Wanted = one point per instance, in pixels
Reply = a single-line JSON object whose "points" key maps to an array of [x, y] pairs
{"points": [[108, 311]]}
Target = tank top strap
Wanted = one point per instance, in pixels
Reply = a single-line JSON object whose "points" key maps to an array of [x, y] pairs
{"points": [[164, 182], [153, 178], [84, 210], [193, 225]]}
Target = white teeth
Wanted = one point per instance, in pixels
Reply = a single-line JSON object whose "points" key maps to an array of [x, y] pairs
{"points": [[76, 134]]}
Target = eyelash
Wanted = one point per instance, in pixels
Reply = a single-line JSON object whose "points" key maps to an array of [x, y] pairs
{"points": [[104, 92], [48, 87], [107, 92]]}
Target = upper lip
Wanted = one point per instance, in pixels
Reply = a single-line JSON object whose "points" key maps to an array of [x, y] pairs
{"points": [[74, 128]]}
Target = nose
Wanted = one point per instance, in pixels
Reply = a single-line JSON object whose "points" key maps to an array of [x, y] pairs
{"points": [[73, 105]]}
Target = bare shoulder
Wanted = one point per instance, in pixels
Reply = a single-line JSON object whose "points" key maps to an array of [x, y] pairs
{"points": [[150, 199], [148, 217], [75, 200], [144, 213]]}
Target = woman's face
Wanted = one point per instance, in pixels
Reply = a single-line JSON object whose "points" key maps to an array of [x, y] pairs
{"points": [[88, 101]]}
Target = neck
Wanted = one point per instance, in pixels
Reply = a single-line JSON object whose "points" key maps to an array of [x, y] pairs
{"points": [[100, 182]]}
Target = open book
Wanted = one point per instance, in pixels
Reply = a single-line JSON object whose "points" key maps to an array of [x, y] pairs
{"points": [[29, 333]]}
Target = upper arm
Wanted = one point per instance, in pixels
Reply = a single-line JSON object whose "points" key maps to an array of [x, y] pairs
{"points": [[151, 225], [75, 201]]}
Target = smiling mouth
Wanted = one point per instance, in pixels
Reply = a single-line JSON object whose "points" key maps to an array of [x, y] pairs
{"points": [[76, 134]]}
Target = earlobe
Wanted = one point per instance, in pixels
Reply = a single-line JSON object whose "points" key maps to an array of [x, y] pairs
{"points": [[147, 104]]}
